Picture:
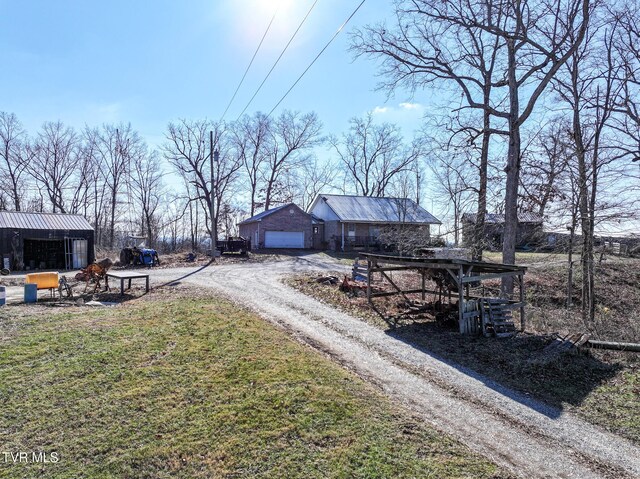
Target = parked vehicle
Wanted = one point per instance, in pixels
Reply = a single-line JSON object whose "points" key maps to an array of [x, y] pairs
{"points": [[135, 256], [234, 245]]}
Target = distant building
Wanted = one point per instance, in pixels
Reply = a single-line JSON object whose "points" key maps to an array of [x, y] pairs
{"points": [[530, 230], [30, 241]]}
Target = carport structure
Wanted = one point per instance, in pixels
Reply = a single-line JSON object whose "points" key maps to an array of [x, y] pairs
{"points": [[455, 275]]}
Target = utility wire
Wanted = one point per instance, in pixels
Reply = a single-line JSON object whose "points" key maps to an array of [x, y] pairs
{"points": [[278, 60], [250, 63], [317, 56]]}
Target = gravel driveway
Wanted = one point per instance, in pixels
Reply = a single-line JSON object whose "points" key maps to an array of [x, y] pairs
{"points": [[526, 437]]}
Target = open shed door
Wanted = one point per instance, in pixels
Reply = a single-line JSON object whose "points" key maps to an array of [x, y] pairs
{"points": [[284, 239], [76, 253]]}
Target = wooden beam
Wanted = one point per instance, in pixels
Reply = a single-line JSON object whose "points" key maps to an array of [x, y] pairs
{"points": [[393, 293], [482, 277], [394, 284]]}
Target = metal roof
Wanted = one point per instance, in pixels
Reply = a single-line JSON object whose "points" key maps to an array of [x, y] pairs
{"points": [[367, 209], [43, 221], [523, 217]]}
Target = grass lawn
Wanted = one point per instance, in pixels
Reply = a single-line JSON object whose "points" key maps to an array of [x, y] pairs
{"points": [[197, 388]]}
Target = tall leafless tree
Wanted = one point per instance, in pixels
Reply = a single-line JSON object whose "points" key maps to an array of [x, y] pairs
{"points": [[250, 137], [118, 146], [55, 157], [292, 137], [147, 188], [373, 155], [13, 158], [533, 39]]}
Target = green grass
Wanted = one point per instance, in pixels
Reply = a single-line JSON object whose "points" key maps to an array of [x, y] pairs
{"points": [[199, 389]]}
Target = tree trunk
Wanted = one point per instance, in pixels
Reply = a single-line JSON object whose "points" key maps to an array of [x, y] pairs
{"points": [[513, 172], [478, 231]]}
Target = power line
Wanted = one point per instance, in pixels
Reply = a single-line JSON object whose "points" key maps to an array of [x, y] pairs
{"points": [[317, 56], [251, 62], [279, 57]]}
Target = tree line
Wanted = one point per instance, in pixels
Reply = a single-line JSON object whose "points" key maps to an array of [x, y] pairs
{"points": [[125, 188]]}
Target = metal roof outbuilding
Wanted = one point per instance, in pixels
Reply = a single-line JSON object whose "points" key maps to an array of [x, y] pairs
{"points": [[43, 221]]}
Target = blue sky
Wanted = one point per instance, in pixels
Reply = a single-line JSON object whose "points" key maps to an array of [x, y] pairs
{"points": [[151, 62]]}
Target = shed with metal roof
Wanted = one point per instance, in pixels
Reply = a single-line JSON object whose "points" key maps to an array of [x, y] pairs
{"points": [[38, 241]]}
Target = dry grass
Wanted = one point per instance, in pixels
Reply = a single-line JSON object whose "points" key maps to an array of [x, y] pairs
{"points": [[601, 386]]}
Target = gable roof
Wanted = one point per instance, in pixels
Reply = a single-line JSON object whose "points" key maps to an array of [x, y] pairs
{"points": [[43, 221], [264, 214], [367, 209], [523, 217]]}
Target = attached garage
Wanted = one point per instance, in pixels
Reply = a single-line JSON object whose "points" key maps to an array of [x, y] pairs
{"points": [[284, 227], [284, 239]]}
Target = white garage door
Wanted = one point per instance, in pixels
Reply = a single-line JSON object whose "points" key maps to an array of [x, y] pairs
{"points": [[284, 239]]}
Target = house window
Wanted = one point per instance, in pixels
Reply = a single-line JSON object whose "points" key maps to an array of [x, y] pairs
{"points": [[352, 230], [374, 231], [315, 230]]}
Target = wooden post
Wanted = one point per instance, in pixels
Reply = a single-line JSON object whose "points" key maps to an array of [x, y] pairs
{"points": [[522, 319], [463, 329], [369, 265], [423, 281]]}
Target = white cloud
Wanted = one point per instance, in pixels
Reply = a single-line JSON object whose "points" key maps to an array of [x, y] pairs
{"points": [[410, 106], [379, 110]]}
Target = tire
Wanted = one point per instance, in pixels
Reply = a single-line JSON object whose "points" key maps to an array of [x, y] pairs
{"points": [[4, 271]]}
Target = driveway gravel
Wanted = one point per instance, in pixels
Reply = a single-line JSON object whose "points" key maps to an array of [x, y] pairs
{"points": [[522, 435]]}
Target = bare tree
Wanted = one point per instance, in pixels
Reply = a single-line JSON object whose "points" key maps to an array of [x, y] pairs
{"points": [[250, 136], [118, 147], [534, 38], [147, 188], [291, 139], [543, 168], [13, 158], [453, 186], [373, 155], [426, 48], [187, 150], [589, 84], [55, 157], [313, 178]]}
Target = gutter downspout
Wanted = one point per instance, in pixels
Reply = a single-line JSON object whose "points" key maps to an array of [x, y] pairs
{"points": [[342, 236]]}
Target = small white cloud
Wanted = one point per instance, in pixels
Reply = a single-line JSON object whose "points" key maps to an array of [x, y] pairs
{"points": [[410, 106], [379, 110]]}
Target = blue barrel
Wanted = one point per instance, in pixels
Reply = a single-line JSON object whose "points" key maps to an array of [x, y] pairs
{"points": [[3, 295], [30, 293]]}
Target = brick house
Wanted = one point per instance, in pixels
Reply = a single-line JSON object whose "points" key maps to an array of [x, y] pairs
{"points": [[362, 221], [287, 226]]}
